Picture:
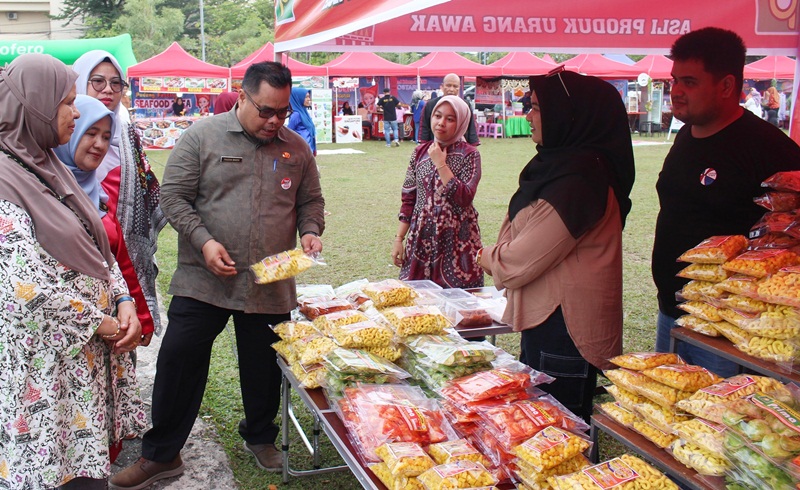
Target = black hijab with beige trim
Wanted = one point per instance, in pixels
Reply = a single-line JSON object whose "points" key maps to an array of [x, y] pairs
{"points": [[586, 147], [31, 89]]}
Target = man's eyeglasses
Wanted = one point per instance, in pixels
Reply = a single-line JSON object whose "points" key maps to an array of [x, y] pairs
{"points": [[557, 72], [99, 84], [268, 112]]}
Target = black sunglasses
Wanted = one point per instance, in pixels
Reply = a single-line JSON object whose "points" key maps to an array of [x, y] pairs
{"points": [[99, 83], [268, 112]]}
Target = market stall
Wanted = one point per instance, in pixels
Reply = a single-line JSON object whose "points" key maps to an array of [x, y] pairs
{"points": [[157, 81]]}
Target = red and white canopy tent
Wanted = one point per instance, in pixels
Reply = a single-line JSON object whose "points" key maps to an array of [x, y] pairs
{"points": [[777, 67], [521, 64], [657, 66], [176, 62], [600, 66], [267, 53], [440, 63], [366, 64], [578, 26]]}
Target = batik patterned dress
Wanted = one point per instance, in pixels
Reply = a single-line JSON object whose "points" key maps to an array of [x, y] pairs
{"points": [[64, 397], [443, 235]]}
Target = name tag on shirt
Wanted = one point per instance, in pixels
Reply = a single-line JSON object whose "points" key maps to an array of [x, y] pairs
{"points": [[225, 159]]}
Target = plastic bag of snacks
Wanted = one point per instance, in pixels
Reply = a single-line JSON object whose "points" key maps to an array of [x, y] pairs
{"points": [[779, 201], [778, 322], [701, 309], [775, 350], [755, 468], [353, 294], [436, 375], [741, 284], [621, 415], [415, 320], [743, 303], [518, 421], [284, 265], [624, 473], [292, 331], [457, 450], [551, 447], [420, 421], [698, 325], [709, 436], [709, 402], [782, 288], [627, 399], [394, 482], [659, 393], [389, 292], [715, 250], [314, 307], [361, 335], [404, 458], [313, 349], [284, 348], [359, 362], [661, 417], [775, 240], [704, 272], [309, 376], [389, 352], [653, 434], [537, 480], [491, 447], [788, 181], [695, 457], [730, 331], [684, 377], [774, 222], [326, 323], [493, 383], [699, 291], [460, 474], [761, 263], [450, 351], [639, 361]]}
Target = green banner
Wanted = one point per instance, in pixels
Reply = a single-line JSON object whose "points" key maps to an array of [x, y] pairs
{"points": [[69, 50]]}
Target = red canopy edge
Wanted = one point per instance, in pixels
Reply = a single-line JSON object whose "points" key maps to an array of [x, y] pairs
{"points": [[441, 63], [267, 53], [176, 62], [363, 64]]}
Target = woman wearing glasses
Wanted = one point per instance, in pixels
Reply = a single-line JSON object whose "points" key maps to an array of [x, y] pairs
{"points": [[559, 252], [132, 188]]}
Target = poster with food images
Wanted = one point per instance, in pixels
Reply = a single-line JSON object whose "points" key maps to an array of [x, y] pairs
{"points": [[183, 84], [321, 114], [348, 129]]}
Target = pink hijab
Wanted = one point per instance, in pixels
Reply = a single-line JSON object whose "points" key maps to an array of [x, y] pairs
{"points": [[462, 118], [31, 89]]}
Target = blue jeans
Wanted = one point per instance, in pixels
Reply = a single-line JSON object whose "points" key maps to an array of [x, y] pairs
{"points": [[691, 353], [388, 128]]}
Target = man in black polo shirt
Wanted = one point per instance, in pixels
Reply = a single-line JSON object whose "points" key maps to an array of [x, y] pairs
{"points": [[388, 105], [451, 85]]}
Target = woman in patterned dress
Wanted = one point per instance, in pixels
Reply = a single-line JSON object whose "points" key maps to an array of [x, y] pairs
{"points": [[437, 211], [132, 188], [68, 388]]}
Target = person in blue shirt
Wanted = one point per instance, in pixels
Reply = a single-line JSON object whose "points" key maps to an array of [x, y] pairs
{"points": [[300, 121]]}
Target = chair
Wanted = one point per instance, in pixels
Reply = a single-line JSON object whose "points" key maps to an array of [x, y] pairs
{"points": [[494, 130], [482, 128]]}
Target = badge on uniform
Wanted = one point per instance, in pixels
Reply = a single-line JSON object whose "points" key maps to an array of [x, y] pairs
{"points": [[286, 183], [225, 159], [708, 176]]}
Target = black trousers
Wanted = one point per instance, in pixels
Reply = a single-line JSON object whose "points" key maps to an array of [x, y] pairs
{"points": [[182, 372], [549, 348]]}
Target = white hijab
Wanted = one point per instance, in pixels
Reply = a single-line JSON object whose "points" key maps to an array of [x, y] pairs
{"points": [[84, 66]]}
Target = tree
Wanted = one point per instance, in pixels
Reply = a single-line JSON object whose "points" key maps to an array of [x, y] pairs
{"points": [[96, 15], [152, 26]]}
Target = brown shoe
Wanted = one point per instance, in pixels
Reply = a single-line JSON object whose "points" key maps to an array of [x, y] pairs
{"points": [[144, 473], [268, 457]]}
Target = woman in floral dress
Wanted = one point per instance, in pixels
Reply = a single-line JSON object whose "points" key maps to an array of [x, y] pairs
{"points": [[68, 388], [437, 211]]}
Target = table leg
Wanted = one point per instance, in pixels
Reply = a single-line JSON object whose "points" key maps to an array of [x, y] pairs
{"points": [[286, 393], [594, 452], [315, 439]]}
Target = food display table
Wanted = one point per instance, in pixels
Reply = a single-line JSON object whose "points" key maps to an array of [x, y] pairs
{"points": [[723, 348], [652, 453], [326, 419], [516, 126], [163, 132]]}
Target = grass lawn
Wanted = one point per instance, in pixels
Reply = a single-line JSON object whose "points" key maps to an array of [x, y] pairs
{"points": [[362, 193]]}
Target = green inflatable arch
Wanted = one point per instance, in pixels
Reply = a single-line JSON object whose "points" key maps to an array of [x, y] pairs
{"points": [[69, 50]]}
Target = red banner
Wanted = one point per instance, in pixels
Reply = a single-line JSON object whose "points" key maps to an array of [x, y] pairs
{"points": [[577, 26], [300, 23]]}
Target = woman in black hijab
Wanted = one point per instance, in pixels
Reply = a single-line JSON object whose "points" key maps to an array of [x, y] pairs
{"points": [[559, 253]]}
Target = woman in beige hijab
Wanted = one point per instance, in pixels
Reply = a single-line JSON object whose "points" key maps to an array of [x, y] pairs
{"points": [[68, 389]]}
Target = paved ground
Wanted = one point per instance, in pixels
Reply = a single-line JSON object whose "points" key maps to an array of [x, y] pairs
{"points": [[203, 457]]}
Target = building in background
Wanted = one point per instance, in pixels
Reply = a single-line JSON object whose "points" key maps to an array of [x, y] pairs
{"points": [[30, 20]]}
